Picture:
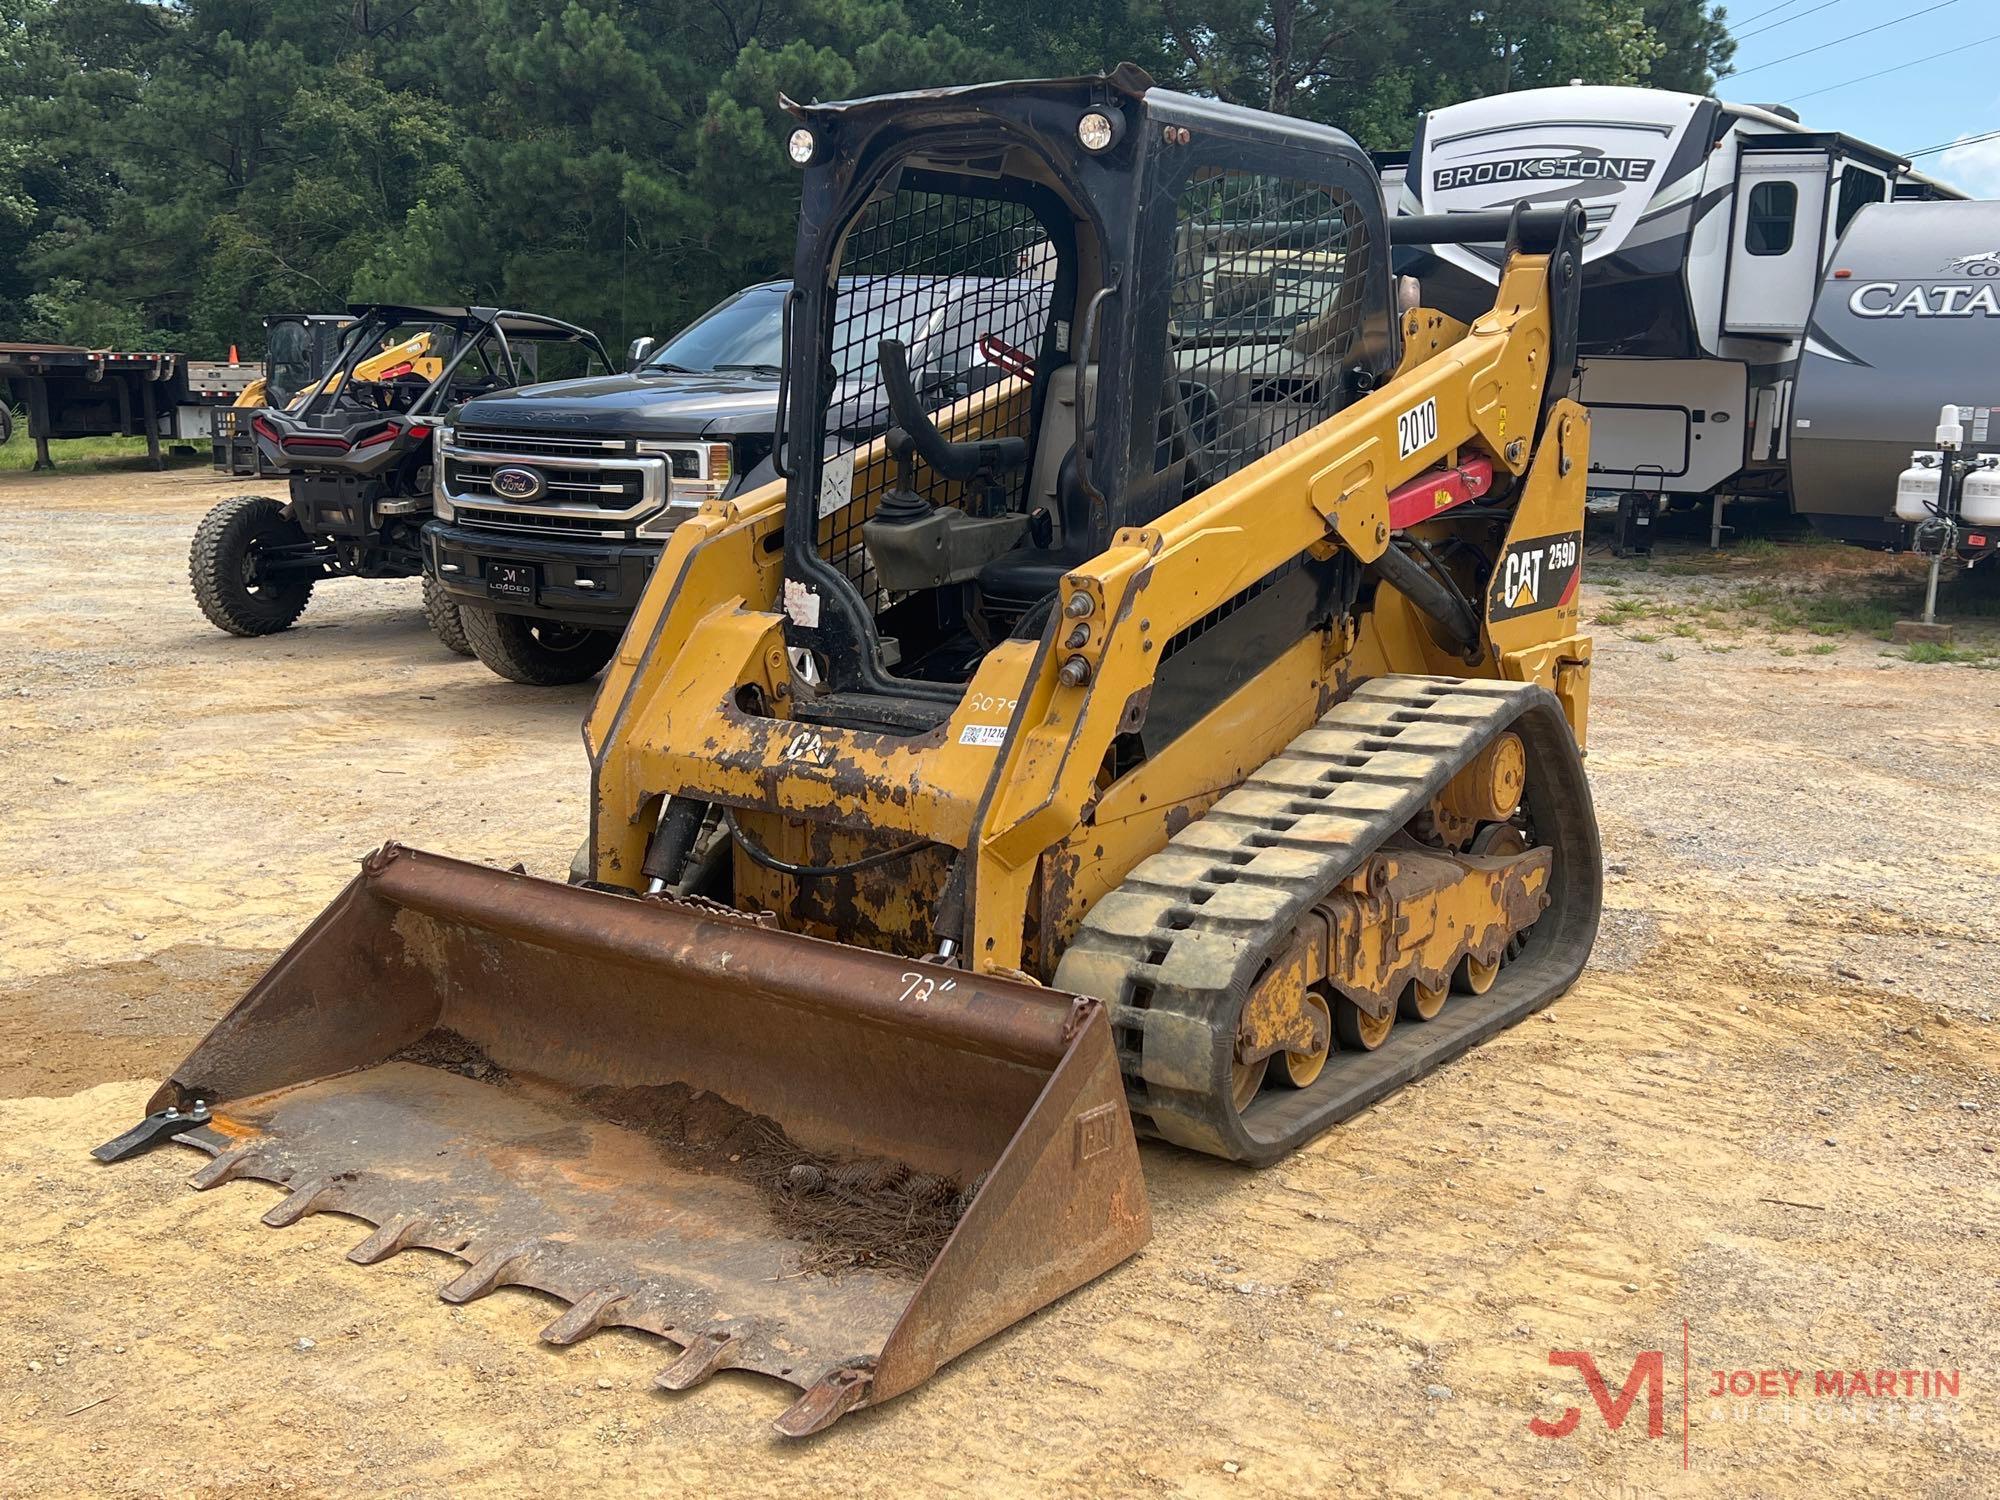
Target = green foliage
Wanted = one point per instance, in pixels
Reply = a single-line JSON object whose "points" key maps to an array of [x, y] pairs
{"points": [[173, 170]]}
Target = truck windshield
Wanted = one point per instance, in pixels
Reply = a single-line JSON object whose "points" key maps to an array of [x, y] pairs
{"points": [[746, 332]]}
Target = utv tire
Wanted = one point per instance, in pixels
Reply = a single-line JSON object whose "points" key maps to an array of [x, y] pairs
{"points": [[442, 611], [222, 567], [540, 653]]}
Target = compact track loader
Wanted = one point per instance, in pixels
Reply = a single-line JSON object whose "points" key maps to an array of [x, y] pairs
{"points": [[1176, 737]]}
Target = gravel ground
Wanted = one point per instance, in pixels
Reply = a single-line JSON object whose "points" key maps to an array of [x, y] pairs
{"points": [[1757, 1136]]}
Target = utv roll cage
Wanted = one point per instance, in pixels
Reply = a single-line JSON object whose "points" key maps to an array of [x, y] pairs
{"points": [[467, 327]]}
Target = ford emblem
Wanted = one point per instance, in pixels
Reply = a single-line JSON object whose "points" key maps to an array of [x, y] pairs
{"points": [[516, 483]]}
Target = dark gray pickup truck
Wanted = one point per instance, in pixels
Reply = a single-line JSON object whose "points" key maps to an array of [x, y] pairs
{"points": [[552, 502]]}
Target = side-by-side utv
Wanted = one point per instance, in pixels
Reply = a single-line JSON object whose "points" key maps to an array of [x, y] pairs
{"points": [[299, 350], [1177, 737], [353, 438]]}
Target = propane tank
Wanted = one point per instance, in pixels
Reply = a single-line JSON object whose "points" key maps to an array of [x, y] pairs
{"points": [[1979, 501], [1917, 487]]}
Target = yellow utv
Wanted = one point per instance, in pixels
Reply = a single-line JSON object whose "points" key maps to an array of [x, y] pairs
{"points": [[1170, 728]]}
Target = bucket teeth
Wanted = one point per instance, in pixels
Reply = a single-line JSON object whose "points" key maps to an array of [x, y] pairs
{"points": [[394, 1235], [591, 1312], [239, 1161], [708, 1353], [490, 1272], [826, 1401], [308, 1197]]}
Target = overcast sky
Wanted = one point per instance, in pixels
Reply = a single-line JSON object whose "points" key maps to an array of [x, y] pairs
{"points": [[1943, 99]]}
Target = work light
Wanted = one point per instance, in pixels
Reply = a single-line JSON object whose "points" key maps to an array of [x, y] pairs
{"points": [[1096, 131]]}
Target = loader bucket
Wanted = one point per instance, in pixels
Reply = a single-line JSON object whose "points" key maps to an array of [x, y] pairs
{"points": [[834, 1166]]}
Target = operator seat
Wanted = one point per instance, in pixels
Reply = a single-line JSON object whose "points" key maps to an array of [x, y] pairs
{"points": [[1019, 580], [1015, 582]]}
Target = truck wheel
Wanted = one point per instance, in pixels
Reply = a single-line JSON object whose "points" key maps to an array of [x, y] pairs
{"points": [[222, 567], [6, 423], [540, 653], [442, 612]]}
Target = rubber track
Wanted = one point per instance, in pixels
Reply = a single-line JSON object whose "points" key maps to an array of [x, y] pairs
{"points": [[1174, 949]]}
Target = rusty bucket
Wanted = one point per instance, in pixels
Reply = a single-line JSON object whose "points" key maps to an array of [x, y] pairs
{"points": [[834, 1166]]}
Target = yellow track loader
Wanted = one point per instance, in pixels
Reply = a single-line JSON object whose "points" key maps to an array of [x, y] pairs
{"points": [[1168, 728]]}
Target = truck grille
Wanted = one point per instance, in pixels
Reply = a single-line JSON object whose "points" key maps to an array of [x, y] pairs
{"points": [[540, 444], [514, 521], [605, 489], [594, 485]]}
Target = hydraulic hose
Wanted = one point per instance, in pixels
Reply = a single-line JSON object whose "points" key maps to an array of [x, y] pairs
{"points": [[1446, 608]]}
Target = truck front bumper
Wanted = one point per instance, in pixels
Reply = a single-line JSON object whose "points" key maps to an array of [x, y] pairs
{"points": [[591, 583]]}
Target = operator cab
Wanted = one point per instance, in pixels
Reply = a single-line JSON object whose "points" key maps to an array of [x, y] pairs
{"points": [[1149, 293]]}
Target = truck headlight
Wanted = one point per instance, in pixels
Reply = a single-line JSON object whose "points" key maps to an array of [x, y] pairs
{"points": [[696, 471]]}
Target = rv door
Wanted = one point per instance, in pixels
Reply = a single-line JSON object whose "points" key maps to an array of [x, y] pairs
{"points": [[1774, 257]]}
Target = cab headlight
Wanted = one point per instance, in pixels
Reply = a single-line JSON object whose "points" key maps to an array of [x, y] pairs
{"points": [[1098, 130]]}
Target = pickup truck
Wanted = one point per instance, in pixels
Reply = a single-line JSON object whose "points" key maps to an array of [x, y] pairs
{"points": [[552, 502]]}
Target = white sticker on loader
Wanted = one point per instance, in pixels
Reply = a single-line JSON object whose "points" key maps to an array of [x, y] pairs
{"points": [[836, 483], [801, 604], [1417, 428], [983, 734]]}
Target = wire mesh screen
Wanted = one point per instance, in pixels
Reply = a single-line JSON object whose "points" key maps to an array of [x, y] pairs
{"points": [[1266, 307], [961, 281]]}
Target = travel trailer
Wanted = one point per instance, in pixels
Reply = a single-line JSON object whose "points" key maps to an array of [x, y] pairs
{"points": [[1907, 321], [1709, 226]]}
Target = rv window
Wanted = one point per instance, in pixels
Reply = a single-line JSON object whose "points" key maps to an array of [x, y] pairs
{"points": [[1773, 205], [1858, 189]]}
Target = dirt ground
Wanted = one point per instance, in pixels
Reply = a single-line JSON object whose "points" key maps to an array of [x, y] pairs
{"points": [[1759, 1135]]}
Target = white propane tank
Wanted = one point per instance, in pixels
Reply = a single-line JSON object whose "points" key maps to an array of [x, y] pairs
{"points": [[1979, 501], [1917, 487]]}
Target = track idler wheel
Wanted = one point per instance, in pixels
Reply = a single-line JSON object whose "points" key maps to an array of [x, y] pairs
{"points": [[1357, 1030], [1302, 1069], [1245, 1080], [1420, 1002]]}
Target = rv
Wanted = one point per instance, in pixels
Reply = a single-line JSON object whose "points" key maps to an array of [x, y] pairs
{"points": [[1709, 226], [1907, 321]]}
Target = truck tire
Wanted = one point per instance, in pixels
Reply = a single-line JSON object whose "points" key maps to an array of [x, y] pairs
{"points": [[540, 653], [6, 422], [442, 612], [223, 558]]}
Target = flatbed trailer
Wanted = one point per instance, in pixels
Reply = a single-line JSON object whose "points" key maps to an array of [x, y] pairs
{"points": [[73, 392]]}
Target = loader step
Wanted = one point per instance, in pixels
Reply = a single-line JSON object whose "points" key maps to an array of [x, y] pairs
{"points": [[1175, 948]]}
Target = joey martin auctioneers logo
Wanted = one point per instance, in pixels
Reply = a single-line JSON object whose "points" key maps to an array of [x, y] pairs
{"points": [[1865, 1394]]}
